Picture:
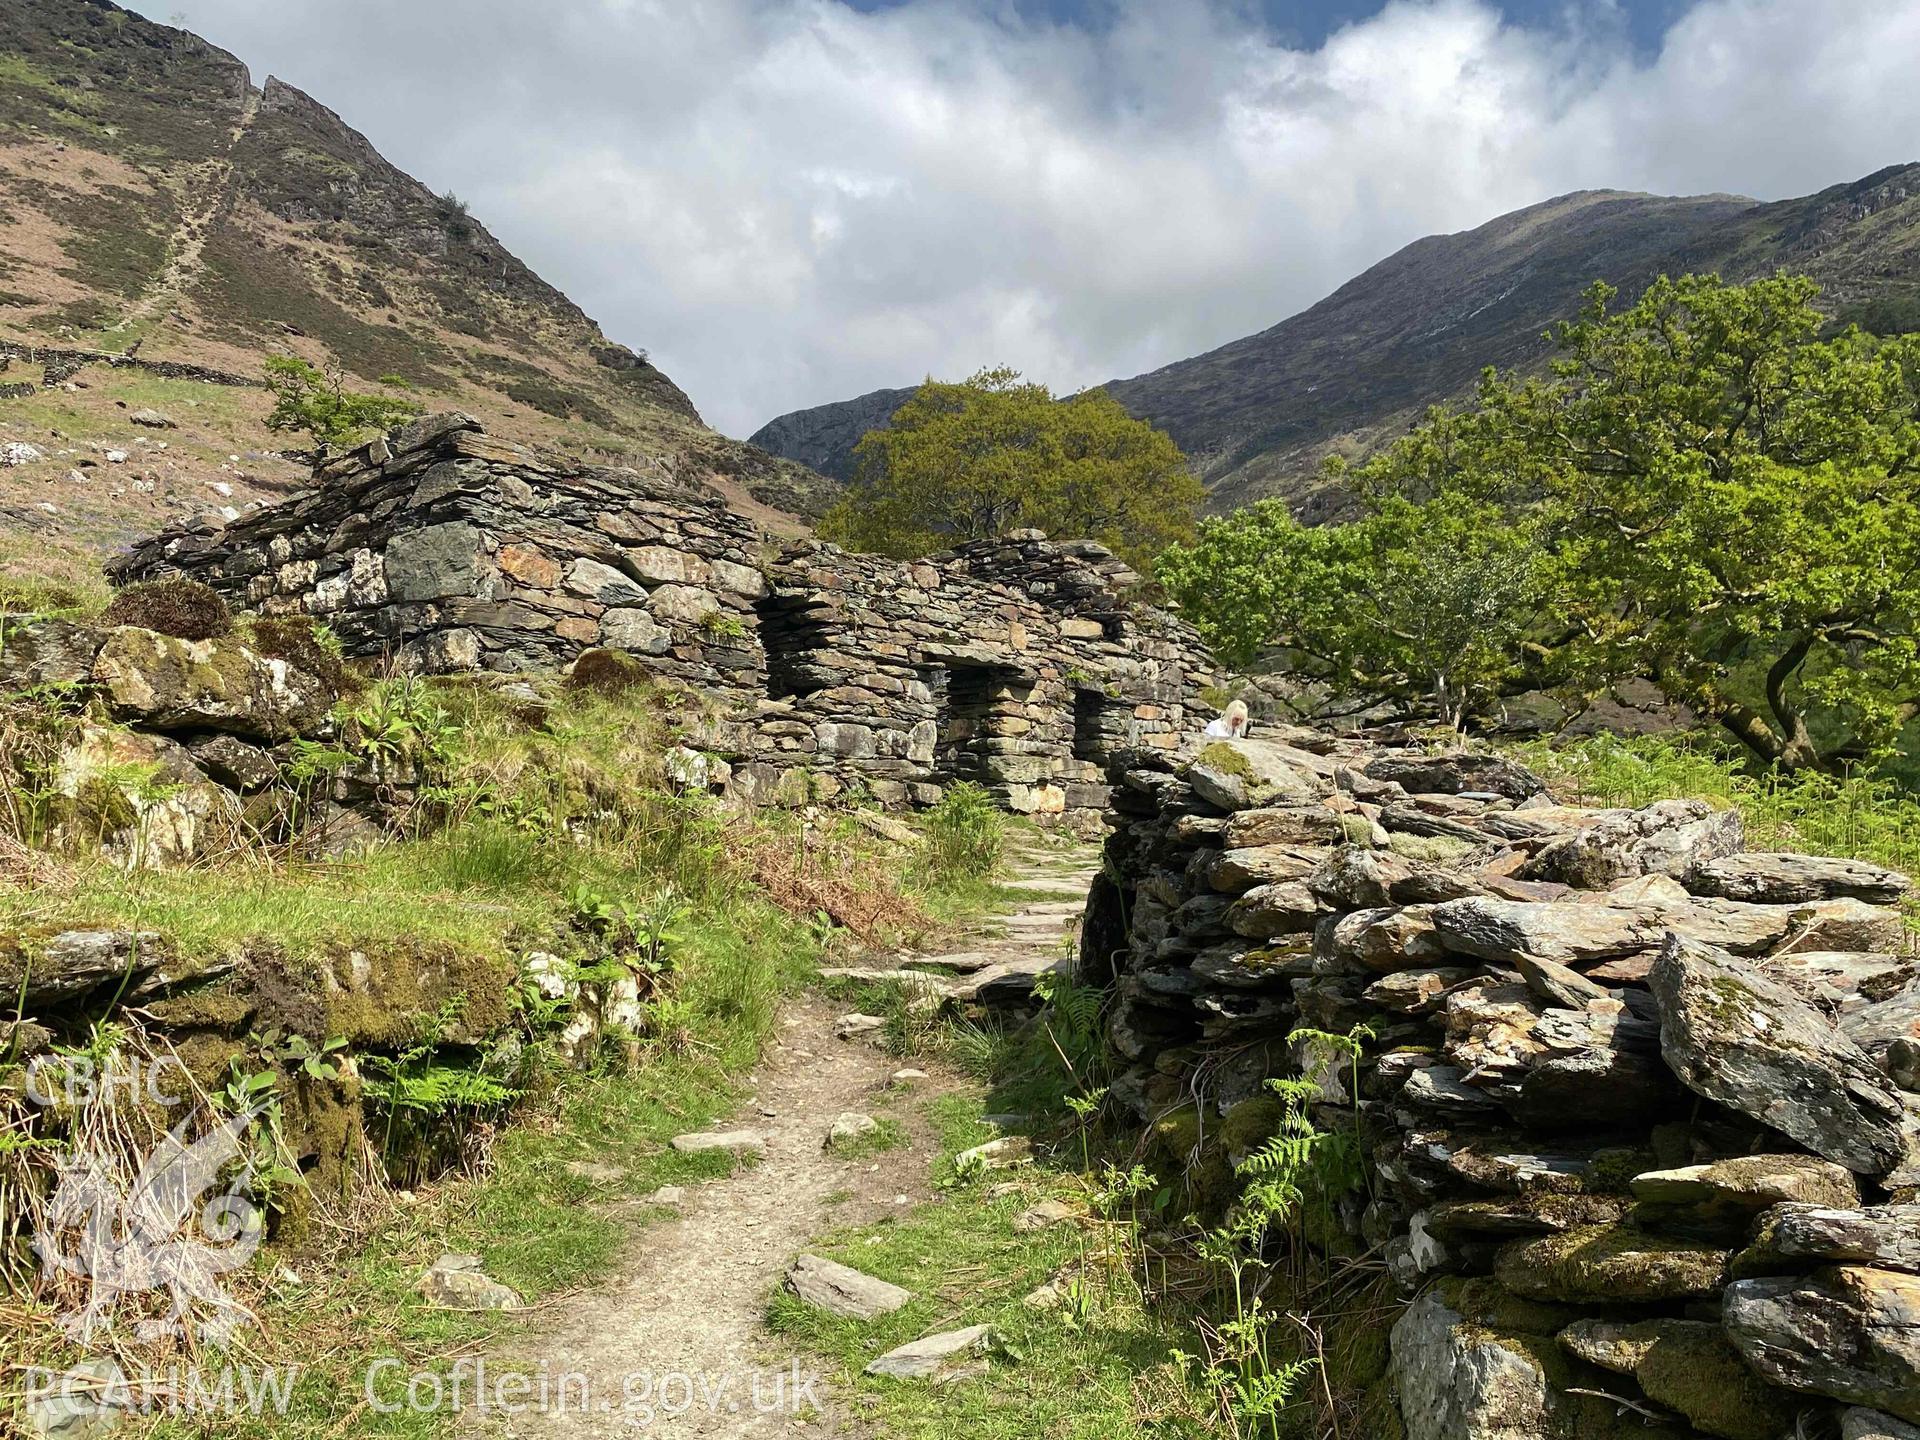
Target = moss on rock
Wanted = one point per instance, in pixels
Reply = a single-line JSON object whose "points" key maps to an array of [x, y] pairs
{"points": [[1610, 1263]]}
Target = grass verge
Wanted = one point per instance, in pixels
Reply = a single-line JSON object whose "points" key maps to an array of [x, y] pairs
{"points": [[1091, 1368]]}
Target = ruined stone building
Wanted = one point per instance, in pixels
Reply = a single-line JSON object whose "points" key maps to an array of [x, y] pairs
{"points": [[1022, 664]]}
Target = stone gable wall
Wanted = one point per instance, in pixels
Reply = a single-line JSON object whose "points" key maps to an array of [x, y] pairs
{"points": [[1637, 1106], [1021, 664]]}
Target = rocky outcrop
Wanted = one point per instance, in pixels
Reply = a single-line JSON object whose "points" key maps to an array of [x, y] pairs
{"points": [[164, 750], [1627, 1132]]}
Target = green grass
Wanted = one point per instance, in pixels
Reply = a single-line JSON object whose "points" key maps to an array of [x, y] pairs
{"points": [[502, 878], [887, 1135], [1866, 816], [18, 70], [1065, 1377], [40, 575]]}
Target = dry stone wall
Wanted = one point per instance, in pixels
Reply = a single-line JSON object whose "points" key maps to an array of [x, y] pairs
{"points": [[60, 365], [1022, 664], [1637, 1103]]}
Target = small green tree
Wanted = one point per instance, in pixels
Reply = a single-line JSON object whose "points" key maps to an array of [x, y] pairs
{"points": [[307, 398], [1414, 602], [994, 453]]}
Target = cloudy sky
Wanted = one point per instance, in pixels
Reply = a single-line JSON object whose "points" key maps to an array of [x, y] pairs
{"points": [[793, 201]]}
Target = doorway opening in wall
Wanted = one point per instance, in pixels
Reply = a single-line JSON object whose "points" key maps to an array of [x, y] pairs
{"points": [[967, 696], [793, 630], [1090, 740]]}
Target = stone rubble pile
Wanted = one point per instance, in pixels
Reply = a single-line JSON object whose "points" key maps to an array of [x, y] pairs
{"points": [[1637, 1102]]}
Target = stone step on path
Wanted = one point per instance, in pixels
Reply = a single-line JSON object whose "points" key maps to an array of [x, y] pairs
{"points": [[1050, 884], [1010, 951]]}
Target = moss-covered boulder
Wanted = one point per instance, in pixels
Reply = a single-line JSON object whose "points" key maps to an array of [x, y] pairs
{"points": [[1255, 774], [219, 684], [1606, 1264], [1691, 1368]]}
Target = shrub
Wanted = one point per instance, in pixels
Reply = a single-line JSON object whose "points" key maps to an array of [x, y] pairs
{"points": [[184, 609], [965, 834], [608, 672], [305, 397]]}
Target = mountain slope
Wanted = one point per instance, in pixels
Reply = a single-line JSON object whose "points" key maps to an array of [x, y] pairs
{"points": [[1260, 415], [823, 438], [150, 195]]}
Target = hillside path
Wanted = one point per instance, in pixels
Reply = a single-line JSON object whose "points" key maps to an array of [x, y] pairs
{"points": [[684, 1306], [206, 192]]}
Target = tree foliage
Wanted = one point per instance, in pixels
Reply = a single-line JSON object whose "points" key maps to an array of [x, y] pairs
{"points": [[1703, 491], [995, 453], [307, 398], [1413, 602]]}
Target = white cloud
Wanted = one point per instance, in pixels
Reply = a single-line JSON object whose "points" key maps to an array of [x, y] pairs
{"points": [[789, 202]]}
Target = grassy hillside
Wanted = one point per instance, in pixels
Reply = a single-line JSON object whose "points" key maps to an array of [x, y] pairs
{"points": [[1260, 415], [151, 197]]}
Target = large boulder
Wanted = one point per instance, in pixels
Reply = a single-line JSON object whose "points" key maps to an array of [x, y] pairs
{"points": [[1735, 1035], [168, 684], [1774, 878], [1849, 1332], [1250, 774], [1673, 837]]}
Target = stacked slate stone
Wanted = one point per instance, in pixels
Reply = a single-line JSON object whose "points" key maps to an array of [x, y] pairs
{"points": [[447, 550], [1020, 665], [1638, 1101]]}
